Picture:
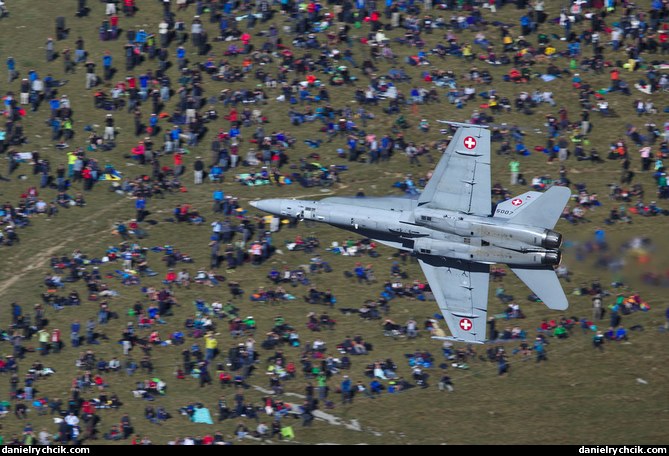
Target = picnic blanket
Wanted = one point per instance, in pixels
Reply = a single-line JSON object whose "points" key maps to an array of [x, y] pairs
{"points": [[202, 415]]}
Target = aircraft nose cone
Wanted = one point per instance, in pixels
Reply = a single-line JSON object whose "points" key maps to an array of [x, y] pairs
{"points": [[273, 206]]}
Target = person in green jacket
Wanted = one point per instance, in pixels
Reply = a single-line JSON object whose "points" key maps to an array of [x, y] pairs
{"points": [[514, 168], [560, 332], [322, 382]]}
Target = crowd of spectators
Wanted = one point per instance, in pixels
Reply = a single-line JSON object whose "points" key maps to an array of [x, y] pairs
{"points": [[181, 96]]}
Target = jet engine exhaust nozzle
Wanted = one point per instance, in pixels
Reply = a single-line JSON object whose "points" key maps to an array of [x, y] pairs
{"points": [[552, 258], [553, 240]]}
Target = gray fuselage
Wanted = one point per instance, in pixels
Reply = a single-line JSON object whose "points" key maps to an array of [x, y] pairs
{"points": [[403, 224]]}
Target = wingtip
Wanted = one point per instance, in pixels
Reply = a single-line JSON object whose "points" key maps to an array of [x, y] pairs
{"points": [[558, 306]]}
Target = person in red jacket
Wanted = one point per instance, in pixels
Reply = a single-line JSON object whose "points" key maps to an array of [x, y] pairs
{"points": [[129, 8], [170, 278], [87, 175], [178, 164], [55, 341], [138, 152]]}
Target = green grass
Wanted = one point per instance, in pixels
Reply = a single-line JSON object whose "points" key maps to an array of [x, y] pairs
{"points": [[578, 396]]}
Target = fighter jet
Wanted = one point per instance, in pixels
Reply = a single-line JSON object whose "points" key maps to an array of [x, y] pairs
{"points": [[452, 230]]}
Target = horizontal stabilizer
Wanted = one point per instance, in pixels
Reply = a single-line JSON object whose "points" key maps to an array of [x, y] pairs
{"points": [[546, 214], [545, 284]]}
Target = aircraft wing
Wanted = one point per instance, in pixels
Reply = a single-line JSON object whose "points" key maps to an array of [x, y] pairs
{"points": [[461, 291], [461, 181]]}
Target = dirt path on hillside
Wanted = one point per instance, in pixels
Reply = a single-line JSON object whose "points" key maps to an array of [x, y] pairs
{"points": [[25, 266]]}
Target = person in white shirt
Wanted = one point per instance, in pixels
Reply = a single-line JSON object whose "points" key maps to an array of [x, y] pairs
{"points": [[189, 441], [217, 307], [183, 278], [40, 206], [537, 184], [44, 438], [616, 33], [262, 430], [603, 107], [412, 328], [72, 419], [114, 364], [547, 97], [318, 345]]}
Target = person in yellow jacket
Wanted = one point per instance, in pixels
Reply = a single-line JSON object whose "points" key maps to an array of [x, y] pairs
{"points": [[43, 337], [210, 344], [71, 159], [467, 52]]}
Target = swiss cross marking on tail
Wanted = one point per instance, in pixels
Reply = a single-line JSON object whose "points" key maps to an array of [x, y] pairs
{"points": [[466, 324], [470, 142]]}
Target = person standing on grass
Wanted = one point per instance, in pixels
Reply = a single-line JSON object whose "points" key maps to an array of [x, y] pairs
{"points": [[198, 170], [110, 10], [514, 168], [49, 47], [107, 61], [597, 307], [540, 350], [126, 426], [178, 164], [346, 390], [11, 70], [140, 208], [91, 78], [598, 341], [109, 128]]}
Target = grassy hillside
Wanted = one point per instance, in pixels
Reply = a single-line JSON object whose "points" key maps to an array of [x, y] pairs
{"points": [[578, 396]]}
